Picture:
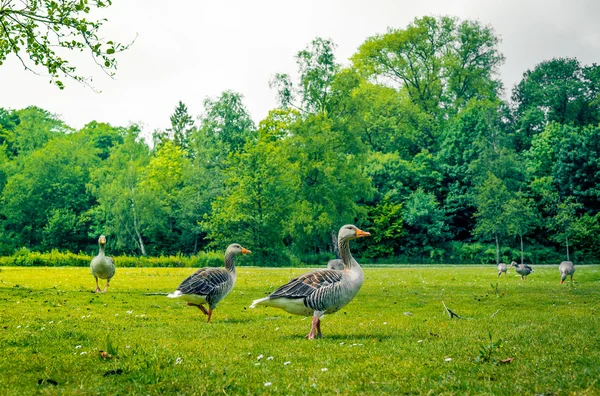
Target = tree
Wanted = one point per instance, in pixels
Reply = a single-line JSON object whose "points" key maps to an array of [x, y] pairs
{"points": [[37, 32], [439, 61], [124, 211], [565, 215], [520, 216], [426, 226], [489, 199], [559, 90], [182, 125]]}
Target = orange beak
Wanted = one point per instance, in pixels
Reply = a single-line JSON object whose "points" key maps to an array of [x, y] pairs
{"points": [[246, 251], [360, 233]]}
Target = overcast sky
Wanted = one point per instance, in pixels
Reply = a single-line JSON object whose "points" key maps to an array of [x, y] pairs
{"points": [[188, 50]]}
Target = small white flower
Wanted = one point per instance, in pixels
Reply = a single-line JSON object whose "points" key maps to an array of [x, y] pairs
{"points": [[77, 346], [384, 323], [127, 346], [142, 315], [276, 328], [447, 359], [42, 328], [260, 356], [286, 363], [51, 322], [324, 369], [116, 314], [83, 317], [178, 360], [420, 341], [19, 326], [270, 358], [257, 364], [267, 384], [129, 312], [83, 353], [342, 343]]}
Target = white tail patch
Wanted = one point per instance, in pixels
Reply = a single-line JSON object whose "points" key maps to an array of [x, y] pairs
{"points": [[257, 302], [175, 294]]}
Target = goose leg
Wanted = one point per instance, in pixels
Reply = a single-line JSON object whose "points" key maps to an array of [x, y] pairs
{"points": [[97, 286], [200, 307], [311, 334], [209, 314], [106, 287], [319, 334]]}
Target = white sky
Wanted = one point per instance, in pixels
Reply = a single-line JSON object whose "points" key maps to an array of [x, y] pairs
{"points": [[188, 49]]}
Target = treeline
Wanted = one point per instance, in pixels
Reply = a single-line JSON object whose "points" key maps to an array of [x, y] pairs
{"points": [[411, 141]]}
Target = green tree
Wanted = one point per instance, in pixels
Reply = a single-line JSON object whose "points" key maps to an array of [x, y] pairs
{"points": [[124, 211], [182, 125], [38, 32], [520, 217], [565, 216], [489, 199], [559, 90]]}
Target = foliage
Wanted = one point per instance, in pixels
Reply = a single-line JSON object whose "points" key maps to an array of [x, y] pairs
{"points": [[39, 32]]}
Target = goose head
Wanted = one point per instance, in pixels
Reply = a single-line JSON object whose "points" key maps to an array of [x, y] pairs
{"points": [[512, 264], [350, 231], [236, 248], [102, 240]]}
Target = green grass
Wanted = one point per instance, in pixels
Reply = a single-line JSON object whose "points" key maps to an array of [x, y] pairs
{"points": [[395, 337]]}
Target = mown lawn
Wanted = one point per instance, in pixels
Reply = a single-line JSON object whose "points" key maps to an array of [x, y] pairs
{"points": [[395, 337]]}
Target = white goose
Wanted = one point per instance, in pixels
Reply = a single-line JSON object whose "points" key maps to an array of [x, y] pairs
{"points": [[323, 291], [566, 268], [102, 267], [210, 285]]}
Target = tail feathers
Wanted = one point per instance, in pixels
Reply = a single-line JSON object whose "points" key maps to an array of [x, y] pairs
{"points": [[258, 302], [155, 294], [175, 294]]}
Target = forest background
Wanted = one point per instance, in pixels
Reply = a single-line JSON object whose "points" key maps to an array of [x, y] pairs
{"points": [[416, 141]]}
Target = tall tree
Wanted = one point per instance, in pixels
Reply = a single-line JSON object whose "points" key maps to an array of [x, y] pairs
{"points": [[490, 198], [520, 217], [37, 32], [565, 216]]}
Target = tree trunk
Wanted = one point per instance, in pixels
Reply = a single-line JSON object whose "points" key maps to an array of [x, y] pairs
{"points": [[521, 236], [135, 225], [567, 239], [497, 251], [334, 243]]}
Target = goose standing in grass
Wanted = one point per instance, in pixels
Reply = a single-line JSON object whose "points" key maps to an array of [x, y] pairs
{"points": [[210, 285], [521, 269], [323, 291], [502, 268], [101, 266], [566, 268]]}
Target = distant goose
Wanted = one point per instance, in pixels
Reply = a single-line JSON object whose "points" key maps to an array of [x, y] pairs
{"points": [[521, 269], [566, 268], [336, 264], [101, 266], [502, 268], [323, 291], [210, 285]]}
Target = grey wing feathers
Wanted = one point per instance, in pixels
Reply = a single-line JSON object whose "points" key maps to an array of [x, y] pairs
{"points": [[307, 284], [203, 281]]}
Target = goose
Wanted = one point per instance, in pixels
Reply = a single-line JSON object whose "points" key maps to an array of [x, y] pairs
{"points": [[323, 291], [501, 268], [210, 285], [336, 264], [566, 268], [521, 269], [101, 266]]}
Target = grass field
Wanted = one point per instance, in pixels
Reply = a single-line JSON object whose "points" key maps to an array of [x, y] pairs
{"points": [[395, 337]]}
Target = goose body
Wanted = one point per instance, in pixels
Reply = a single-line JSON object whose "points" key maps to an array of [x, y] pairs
{"points": [[566, 268], [323, 291], [336, 264], [502, 268], [102, 267], [210, 285], [521, 269]]}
